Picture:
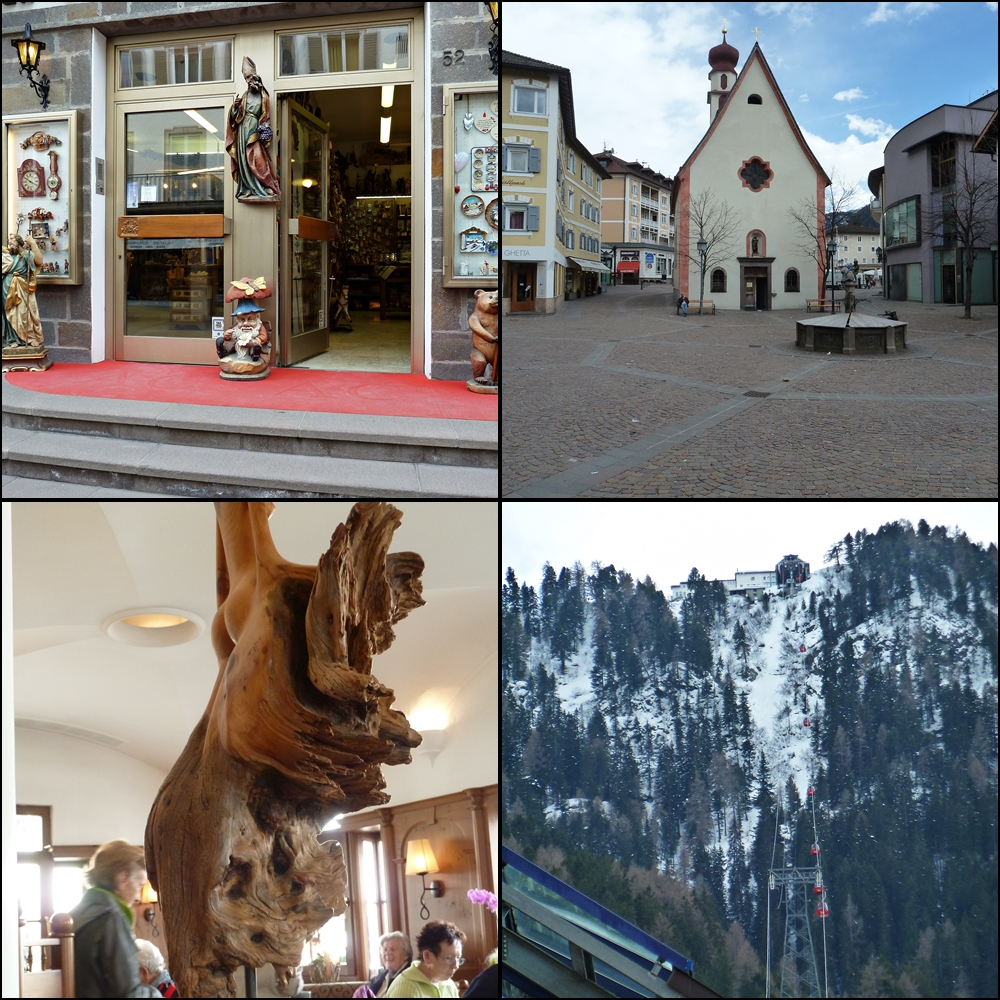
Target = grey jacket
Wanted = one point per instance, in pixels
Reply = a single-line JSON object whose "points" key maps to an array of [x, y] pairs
{"points": [[106, 964]]}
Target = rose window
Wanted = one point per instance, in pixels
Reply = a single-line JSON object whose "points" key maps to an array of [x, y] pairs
{"points": [[756, 174]]}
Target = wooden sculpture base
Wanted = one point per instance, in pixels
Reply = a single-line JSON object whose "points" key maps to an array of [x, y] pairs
{"points": [[26, 359], [474, 385], [296, 730]]}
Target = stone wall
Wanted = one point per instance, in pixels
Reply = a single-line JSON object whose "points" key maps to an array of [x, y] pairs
{"points": [[64, 309]]}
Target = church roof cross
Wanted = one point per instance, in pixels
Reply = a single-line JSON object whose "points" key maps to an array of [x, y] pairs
{"points": [[756, 32]]}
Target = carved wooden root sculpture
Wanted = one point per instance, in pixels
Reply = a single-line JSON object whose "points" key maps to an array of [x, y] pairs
{"points": [[296, 730]]}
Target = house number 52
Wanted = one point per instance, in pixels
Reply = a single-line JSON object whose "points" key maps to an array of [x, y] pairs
{"points": [[457, 57]]}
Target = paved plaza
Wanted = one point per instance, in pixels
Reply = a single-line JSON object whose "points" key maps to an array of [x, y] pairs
{"points": [[617, 396]]}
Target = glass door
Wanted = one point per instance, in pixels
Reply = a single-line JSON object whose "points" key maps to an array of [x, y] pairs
{"points": [[305, 232], [171, 233]]}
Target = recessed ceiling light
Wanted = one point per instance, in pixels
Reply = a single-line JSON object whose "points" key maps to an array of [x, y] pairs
{"points": [[154, 621], [153, 626]]}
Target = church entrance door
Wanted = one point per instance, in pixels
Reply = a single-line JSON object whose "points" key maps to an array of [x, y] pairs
{"points": [[756, 287]]}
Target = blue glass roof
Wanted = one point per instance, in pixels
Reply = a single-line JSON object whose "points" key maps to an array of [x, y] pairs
{"points": [[565, 903]]}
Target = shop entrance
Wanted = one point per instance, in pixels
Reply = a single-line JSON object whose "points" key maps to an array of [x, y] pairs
{"points": [[345, 250], [523, 299]]}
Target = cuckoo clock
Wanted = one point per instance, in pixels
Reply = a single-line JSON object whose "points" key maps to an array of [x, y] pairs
{"points": [[31, 179]]}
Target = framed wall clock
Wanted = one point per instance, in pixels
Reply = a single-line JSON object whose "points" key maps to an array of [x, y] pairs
{"points": [[30, 179]]}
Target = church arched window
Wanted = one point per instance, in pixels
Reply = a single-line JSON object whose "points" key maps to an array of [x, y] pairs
{"points": [[791, 280], [718, 280], [754, 99], [724, 81]]}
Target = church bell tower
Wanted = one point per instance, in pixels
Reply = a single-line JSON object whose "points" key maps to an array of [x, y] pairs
{"points": [[722, 58]]}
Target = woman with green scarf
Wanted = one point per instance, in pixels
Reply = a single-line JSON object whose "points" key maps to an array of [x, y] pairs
{"points": [[106, 963]]}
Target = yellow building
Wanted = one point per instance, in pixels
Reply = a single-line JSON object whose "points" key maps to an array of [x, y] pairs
{"points": [[550, 191], [636, 226]]}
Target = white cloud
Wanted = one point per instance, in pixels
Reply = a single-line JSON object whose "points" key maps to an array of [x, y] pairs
{"points": [[849, 95], [870, 126], [798, 13], [992, 6], [605, 43], [852, 159], [912, 11], [804, 98]]}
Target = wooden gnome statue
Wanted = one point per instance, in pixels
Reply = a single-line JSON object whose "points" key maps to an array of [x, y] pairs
{"points": [[245, 349]]}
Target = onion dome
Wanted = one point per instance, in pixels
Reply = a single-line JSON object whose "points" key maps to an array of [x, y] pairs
{"points": [[723, 57]]}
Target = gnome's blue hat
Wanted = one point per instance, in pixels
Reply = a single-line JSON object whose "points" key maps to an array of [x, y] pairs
{"points": [[245, 306]]}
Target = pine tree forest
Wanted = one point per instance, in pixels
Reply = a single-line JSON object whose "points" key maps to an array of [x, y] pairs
{"points": [[652, 745]]}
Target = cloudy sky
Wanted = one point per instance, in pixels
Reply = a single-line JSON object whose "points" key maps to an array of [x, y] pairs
{"points": [[640, 70], [665, 540]]}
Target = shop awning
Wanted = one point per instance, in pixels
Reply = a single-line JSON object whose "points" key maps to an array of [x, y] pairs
{"points": [[628, 265], [590, 265]]}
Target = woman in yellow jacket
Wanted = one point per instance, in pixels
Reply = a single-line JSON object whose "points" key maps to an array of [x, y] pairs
{"points": [[439, 945]]}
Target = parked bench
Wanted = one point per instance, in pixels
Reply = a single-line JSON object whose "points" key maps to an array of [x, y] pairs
{"points": [[707, 306], [823, 305]]}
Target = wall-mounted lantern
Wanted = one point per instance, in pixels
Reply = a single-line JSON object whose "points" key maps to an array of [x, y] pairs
{"points": [[28, 51], [494, 11]]}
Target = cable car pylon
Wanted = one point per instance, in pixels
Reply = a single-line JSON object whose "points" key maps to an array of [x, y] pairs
{"points": [[802, 891]]}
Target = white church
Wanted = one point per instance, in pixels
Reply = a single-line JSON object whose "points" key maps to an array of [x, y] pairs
{"points": [[754, 160]]}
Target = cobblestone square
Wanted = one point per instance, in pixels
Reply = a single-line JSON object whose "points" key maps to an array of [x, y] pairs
{"points": [[617, 396]]}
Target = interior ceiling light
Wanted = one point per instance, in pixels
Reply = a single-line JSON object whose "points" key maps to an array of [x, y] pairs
{"points": [[384, 132], [201, 120], [153, 626], [387, 91]]}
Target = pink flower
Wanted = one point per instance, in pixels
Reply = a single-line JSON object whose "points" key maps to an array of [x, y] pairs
{"points": [[484, 896]]}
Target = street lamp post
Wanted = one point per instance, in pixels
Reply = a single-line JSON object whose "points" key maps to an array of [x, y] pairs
{"points": [[702, 247], [830, 248]]}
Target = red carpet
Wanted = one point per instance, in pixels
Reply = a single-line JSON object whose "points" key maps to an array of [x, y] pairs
{"points": [[284, 389]]}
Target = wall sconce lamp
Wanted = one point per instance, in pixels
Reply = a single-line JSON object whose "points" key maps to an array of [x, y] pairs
{"points": [[420, 861], [494, 12], [149, 914], [28, 51]]}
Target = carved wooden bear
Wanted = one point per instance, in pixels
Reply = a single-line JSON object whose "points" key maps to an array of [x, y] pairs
{"points": [[485, 337]]}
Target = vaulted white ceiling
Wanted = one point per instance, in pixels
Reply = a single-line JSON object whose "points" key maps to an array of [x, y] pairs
{"points": [[75, 564]]}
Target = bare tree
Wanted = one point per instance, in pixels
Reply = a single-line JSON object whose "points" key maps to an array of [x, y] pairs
{"points": [[810, 236], [965, 217], [717, 223]]}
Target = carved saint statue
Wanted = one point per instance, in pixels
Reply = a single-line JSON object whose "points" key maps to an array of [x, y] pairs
{"points": [[755, 246], [248, 134], [21, 324]]}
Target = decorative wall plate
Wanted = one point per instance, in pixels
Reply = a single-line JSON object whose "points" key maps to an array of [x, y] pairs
{"points": [[495, 107], [492, 213], [472, 206], [486, 123]]}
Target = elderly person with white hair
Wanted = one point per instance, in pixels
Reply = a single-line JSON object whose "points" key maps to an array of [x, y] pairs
{"points": [[396, 953], [152, 970]]}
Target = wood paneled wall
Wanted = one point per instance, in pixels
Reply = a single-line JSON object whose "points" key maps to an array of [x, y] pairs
{"points": [[458, 828]]}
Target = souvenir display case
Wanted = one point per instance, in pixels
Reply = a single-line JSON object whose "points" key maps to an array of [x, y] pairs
{"points": [[471, 185], [43, 191]]}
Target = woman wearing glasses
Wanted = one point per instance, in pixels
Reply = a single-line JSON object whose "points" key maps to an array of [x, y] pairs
{"points": [[439, 944]]}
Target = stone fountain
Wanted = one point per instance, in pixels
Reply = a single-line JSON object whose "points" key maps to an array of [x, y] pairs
{"points": [[851, 332]]}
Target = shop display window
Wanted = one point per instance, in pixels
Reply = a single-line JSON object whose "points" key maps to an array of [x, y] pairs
{"points": [[174, 287], [165, 65], [345, 51], [472, 171], [175, 161], [42, 192]]}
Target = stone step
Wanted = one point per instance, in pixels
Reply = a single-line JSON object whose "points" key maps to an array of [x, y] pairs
{"points": [[213, 451]]}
